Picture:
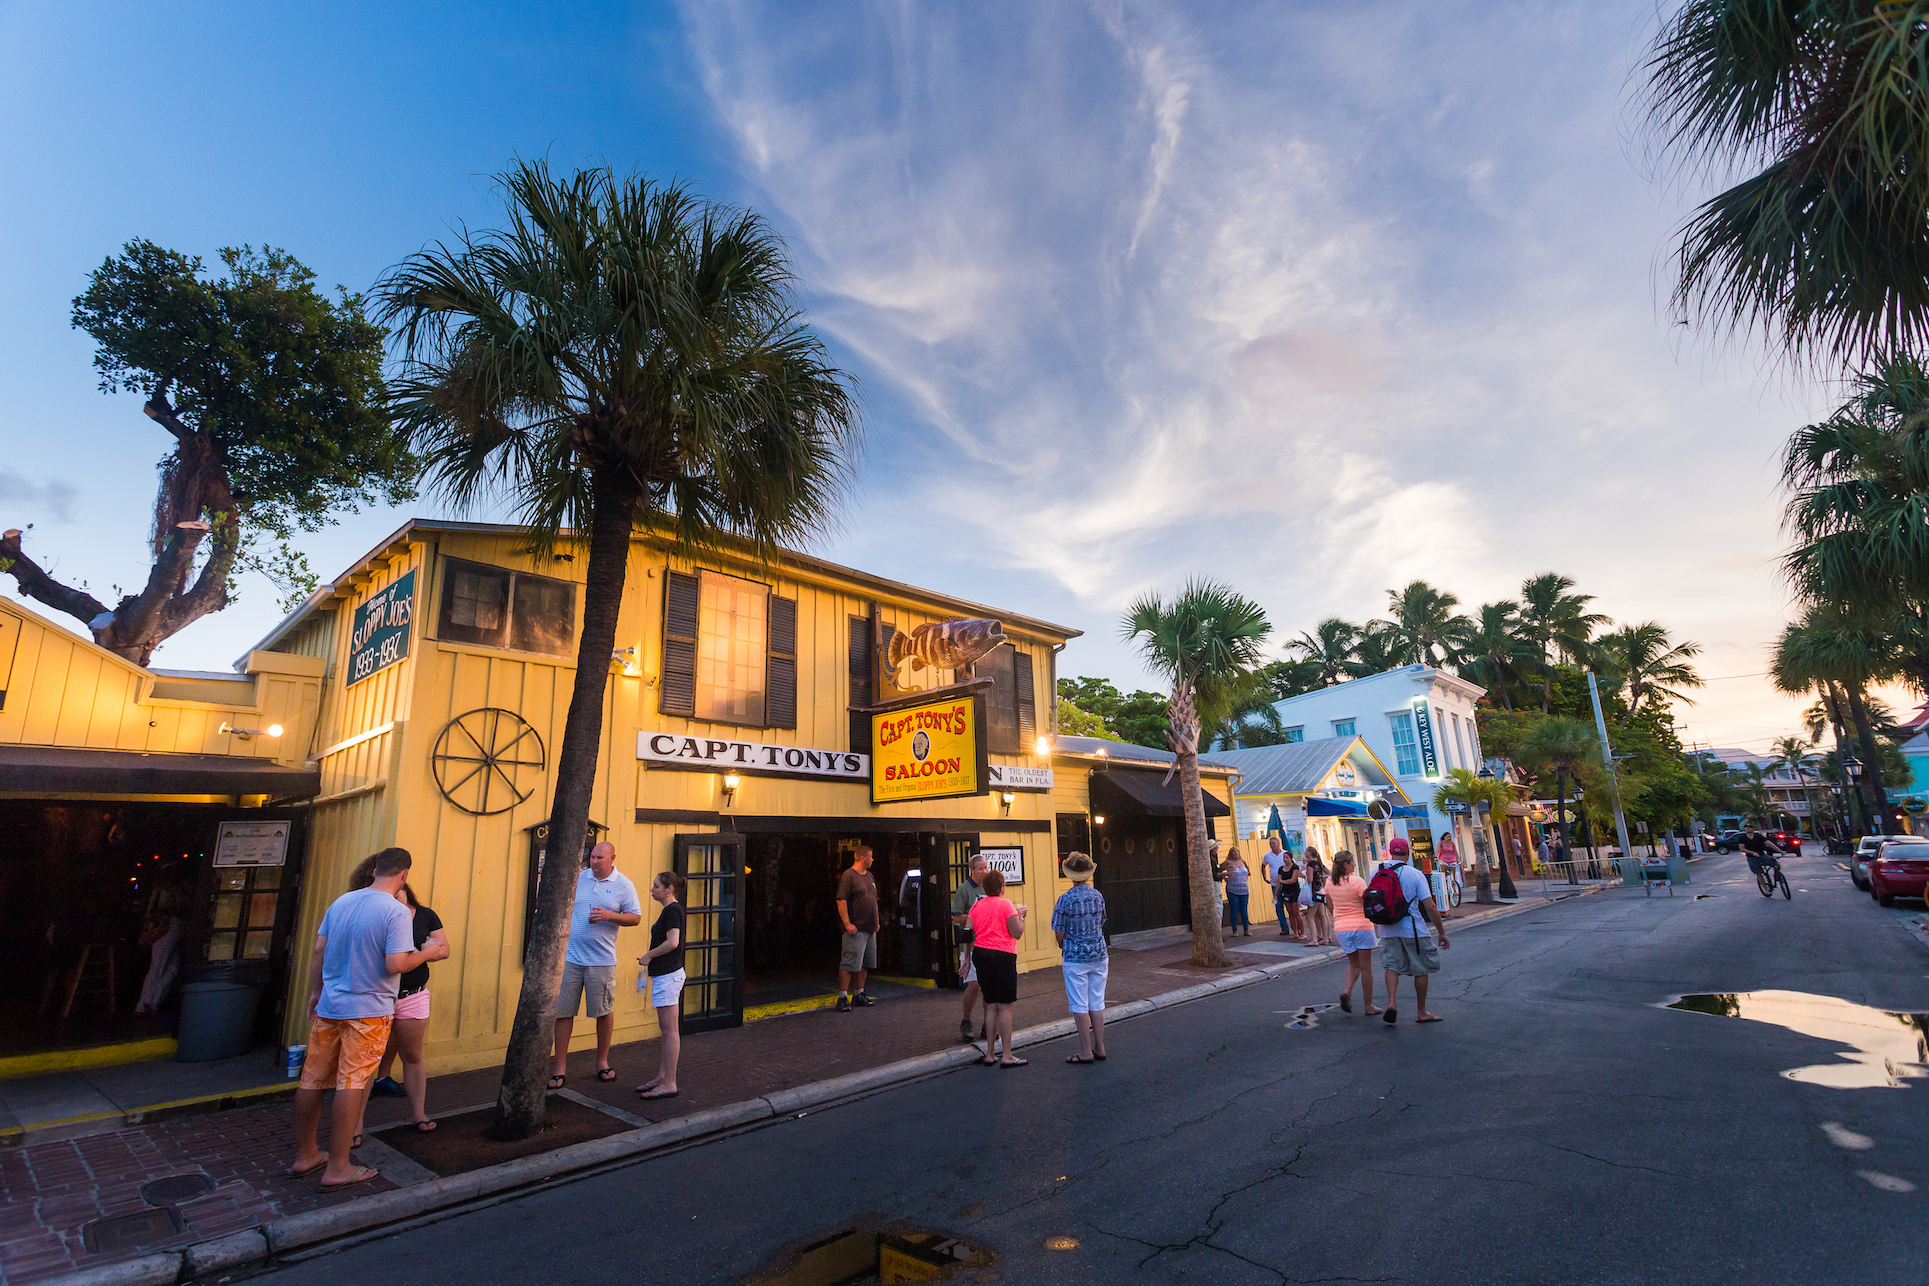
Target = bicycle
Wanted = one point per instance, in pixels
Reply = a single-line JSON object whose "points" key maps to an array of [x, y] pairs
{"points": [[1769, 876], [1450, 877]]}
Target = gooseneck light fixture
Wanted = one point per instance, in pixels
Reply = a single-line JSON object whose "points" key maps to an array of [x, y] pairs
{"points": [[730, 783], [272, 730]]}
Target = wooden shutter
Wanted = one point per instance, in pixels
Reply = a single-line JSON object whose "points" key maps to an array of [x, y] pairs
{"points": [[1027, 702], [780, 684], [860, 683], [676, 691], [887, 686]]}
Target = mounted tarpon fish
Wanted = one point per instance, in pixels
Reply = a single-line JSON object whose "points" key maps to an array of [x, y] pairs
{"points": [[950, 645]]}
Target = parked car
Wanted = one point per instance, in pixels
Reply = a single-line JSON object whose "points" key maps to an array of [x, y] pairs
{"points": [[1900, 870], [1727, 842], [1865, 853], [1787, 841]]}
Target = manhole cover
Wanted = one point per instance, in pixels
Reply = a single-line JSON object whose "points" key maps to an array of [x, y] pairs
{"points": [[130, 1232], [176, 1188]]}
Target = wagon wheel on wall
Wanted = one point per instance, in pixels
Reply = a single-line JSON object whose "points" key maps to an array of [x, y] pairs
{"points": [[481, 758]]}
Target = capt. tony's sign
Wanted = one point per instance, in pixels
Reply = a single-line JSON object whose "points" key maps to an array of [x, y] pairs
{"points": [[930, 751], [748, 758]]}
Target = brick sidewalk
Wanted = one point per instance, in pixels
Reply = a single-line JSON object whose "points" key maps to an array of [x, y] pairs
{"points": [[50, 1192]]}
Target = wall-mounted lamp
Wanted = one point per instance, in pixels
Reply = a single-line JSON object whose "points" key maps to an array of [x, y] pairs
{"points": [[632, 668], [730, 783], [1098, 819], [1043, 746], [272, 730], [1006, 798]]}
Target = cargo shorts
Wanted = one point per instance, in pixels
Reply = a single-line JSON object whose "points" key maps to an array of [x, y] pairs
{"points": [[1410, 957], [860, 952], [593, 987]]}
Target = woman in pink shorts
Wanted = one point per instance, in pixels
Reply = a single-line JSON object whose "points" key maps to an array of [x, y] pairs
{"points": [[411, 1025]]}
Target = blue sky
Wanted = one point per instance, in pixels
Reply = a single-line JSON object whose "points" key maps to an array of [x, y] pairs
{"points": [[1313, 298]]}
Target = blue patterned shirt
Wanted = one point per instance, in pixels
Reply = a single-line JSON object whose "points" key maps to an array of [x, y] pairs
{"points": [[1079, 914]]}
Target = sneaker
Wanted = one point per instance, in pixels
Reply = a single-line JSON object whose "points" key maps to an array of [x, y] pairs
{"points": [[843, 1004], [388, 1087], [862, 1001], [964, 1030]]}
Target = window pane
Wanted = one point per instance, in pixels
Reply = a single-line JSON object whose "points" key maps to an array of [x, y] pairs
{"points": [[1295, 734], [261, 910], [731, 648], [258, 946], [221, 946], [475, 604], [544, 615], [231, 878], [1343, 728], [1406, 750], [267, 877], [1001, 701], [227, 910]]}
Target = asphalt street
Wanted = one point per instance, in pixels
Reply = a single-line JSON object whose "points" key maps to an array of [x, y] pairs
{"points": [[1559, 1126]]}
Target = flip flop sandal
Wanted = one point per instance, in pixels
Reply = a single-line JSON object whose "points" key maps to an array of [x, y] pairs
{"points": [[987, 1061], [1346, 1002], [1390, 1016], [368, 1172], [557, 1082], [1431, 1018], [1098, 1058], [606, 1073], [659, 1094], [1016, 1062], [307, 1170], [1082, 1062], [425, 1127]]}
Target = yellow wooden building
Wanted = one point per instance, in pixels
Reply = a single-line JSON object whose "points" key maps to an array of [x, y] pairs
{"points": [[758, 719]]}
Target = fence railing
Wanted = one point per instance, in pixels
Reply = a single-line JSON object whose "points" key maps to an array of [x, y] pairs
{"points": [[1582, 872]]}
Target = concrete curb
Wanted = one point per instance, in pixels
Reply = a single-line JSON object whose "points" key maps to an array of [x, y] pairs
{"points": [[254, 1247]]}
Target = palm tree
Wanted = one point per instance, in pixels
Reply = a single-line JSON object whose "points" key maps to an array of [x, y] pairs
{"points": [[1641, 657], [1464, 786], [621, 356], [1204, 642], [1493, 656], [1859, 504], [1559, 745], [1755, 787], [1425, 618], [1381, 647], [1557, 624], [1331, 648], [1799, 758], [1824, 246], [1249, 718], [1835, 651]]}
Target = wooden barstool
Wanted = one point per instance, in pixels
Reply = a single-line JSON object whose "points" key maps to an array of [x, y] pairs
{"points": [[100, 957]]}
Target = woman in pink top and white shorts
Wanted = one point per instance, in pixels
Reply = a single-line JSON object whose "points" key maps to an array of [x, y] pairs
{"points": [[1353, 930]]}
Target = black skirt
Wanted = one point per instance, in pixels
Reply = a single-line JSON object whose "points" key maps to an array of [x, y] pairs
{"points": [[997, 975]]}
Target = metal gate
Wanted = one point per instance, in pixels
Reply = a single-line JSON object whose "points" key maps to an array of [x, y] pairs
{"points": [[712, 867], [1142, 873]]}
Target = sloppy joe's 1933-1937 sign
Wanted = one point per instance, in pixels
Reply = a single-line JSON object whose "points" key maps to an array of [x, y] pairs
{"points": [[382, 629], [930, 751]]}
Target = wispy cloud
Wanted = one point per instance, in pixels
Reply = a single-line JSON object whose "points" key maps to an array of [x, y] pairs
{"points": [[54, 499], [1315, 301]]}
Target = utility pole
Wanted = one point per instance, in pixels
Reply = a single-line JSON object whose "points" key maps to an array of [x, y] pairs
{"points": [[1607, 760]]}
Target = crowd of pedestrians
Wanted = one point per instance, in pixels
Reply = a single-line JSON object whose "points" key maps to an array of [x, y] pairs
{"points": [[369, 970]]}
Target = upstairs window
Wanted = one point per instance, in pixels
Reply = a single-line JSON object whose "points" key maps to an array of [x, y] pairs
{"points": [[1295, 734], [1406, 747], [729, 651], [1343, 728], [497, 607]]}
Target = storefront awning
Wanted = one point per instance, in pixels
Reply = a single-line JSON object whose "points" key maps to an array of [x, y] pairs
{"points": [[1124, 793], [129, 772], [1320, 806]]}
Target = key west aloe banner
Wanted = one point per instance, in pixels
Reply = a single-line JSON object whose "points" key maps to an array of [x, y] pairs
{"points": [[930, 751]]}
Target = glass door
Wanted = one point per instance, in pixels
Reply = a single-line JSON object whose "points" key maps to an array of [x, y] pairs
{"points": [[712, 868]]}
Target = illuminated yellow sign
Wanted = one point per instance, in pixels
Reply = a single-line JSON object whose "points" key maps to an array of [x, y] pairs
{"points": [[930, 751]]}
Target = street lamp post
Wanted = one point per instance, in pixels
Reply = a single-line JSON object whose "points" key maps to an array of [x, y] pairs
{"points": [[1852, 769], [1507, 889]]}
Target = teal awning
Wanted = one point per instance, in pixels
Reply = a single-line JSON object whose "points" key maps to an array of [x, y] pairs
{"points": [[1320, 806]]}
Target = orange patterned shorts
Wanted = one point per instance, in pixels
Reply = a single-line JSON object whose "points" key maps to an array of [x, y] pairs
{"points": [[343, 1053]]}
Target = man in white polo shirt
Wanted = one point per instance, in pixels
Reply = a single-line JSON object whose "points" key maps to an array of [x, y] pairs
{"points": [[605, 900]]}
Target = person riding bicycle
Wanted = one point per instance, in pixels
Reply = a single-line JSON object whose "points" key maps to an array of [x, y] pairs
{"points": [[1759, 851]]}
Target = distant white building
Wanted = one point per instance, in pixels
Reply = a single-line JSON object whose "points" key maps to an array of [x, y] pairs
{"points": [[1789, 795], [1417, 720]]}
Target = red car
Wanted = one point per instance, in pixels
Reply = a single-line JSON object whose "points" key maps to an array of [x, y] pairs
{"points": [[1899, 871]]}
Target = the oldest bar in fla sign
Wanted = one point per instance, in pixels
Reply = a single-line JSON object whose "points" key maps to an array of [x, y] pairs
{"points": [[382, 629], [930, 751]]}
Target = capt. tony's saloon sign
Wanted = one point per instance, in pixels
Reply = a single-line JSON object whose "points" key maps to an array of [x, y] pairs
{"points": [[749, 758]]}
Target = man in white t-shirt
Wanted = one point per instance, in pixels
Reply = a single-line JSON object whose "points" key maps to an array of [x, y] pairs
{"points": [[1406, 948], [605, 901], [1274, 860]]}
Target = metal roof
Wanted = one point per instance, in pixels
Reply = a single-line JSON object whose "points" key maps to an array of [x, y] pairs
{"points": [[1301, 767], [1126, 752]]}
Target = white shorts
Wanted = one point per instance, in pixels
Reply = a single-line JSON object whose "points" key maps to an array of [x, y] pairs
{"points": [[1085, 985], [666, 989]]}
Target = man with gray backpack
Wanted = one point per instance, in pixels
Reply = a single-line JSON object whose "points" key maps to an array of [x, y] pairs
{"points": [[1396, 899]]}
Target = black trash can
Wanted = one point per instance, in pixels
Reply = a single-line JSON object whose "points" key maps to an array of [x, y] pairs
{"points": [[218, 1013]]}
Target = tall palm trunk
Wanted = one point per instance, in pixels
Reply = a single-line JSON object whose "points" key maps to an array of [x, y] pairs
{"points": [[1851, 791], [1876, 799], [1208, 948], [1560, 796], [525, 1067]]}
